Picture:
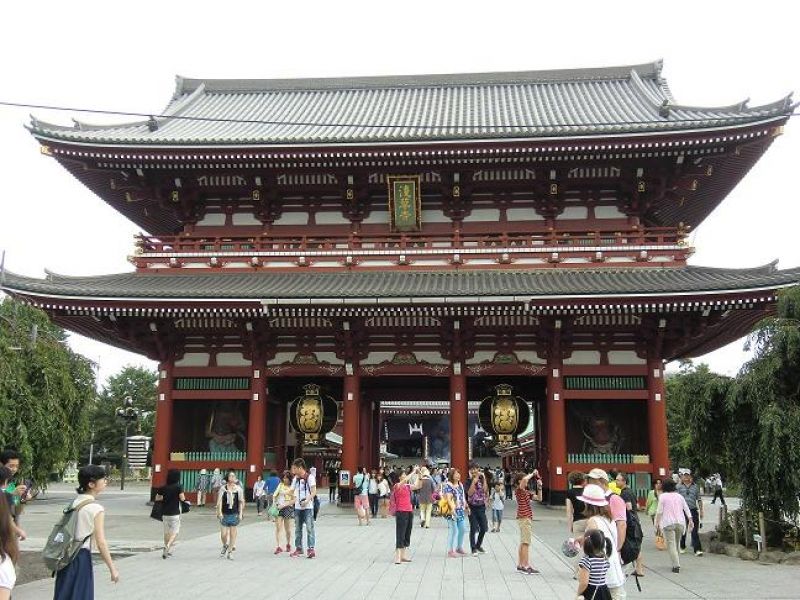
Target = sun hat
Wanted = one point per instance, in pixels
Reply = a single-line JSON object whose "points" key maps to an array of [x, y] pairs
{"points": [[597, 474], [594, 495]]}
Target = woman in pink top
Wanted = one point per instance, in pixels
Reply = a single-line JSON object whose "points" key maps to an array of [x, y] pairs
{"points": [[671, 514], [403, 516]]}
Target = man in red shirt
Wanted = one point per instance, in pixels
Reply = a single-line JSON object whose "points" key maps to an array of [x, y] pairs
{"points": [[525, 518]]}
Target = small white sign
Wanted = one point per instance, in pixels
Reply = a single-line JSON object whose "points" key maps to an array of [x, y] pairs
{"points": [[757, 538]]}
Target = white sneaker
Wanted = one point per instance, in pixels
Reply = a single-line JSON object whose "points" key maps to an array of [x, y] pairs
{"points": [[224, 549], [230, 555], [682, 550], [699, 553]]}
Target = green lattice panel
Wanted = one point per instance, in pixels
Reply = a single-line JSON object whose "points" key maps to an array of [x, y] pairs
{"points": [[635, 382], [212, 383]]}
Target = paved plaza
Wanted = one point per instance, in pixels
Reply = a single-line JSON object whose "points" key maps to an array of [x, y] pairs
{"points": [[356, 562]]}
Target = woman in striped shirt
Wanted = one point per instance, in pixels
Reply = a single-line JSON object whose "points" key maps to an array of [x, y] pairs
{"points": [[593, 567]]}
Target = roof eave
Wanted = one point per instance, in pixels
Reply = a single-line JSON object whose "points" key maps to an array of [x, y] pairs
{"points": [[43, 136]]}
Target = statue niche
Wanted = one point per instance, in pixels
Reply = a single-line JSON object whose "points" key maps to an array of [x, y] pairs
{"points": [[226, 426]]}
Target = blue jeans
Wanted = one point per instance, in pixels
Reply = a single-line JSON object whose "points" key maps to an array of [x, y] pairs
{"points": [[305, 516], [455, 533], [497, 516]]}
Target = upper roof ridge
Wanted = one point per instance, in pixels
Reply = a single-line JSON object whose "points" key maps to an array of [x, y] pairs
{"points": [[185, 85]]}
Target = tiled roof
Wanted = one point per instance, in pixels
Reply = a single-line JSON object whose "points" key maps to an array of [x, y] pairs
{"points": [[531, 104], [367, 285]]}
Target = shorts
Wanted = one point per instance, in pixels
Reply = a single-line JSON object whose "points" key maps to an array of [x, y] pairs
{"points": [[231, 520], [287, 512], [525, 530], [361, 502], [172, 524]]}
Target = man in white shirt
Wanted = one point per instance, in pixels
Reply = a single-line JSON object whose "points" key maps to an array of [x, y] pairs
{"points": [[304, 485], [716, 484]]}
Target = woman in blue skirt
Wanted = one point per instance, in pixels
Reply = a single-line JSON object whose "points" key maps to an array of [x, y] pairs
{"points": [[76, 580]]}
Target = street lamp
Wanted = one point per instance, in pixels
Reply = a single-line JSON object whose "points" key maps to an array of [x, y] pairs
{"points": [[127, 413]]}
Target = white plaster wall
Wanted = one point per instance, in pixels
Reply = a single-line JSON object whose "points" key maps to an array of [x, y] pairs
{"points": [[193, 359], [624, 357], [293, 218], [574, 212], [583, 357], [245, 219], [608, 212], [523, 214], [212, 220], [331, 218], [282, 357], [531, 357], [484, 214], [434, 216], [232, 359], [378, 216]]}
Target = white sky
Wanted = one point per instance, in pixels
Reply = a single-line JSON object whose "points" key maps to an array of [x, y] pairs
{"points": [[92, 54]]}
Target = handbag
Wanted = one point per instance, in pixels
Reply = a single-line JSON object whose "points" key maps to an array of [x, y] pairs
{"points": [[186, 506], [661, 543], [273, 511], [157, 512]]}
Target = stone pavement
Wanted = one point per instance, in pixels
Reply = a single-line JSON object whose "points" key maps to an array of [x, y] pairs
{"points": [[356, 562]]}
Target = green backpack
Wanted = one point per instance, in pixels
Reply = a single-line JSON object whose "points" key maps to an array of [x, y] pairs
{"points": [[62, 547]]}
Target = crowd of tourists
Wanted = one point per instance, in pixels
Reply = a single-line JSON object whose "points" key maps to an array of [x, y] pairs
{"points": [[601, 515]]}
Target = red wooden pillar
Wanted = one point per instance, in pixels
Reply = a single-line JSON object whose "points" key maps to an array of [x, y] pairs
{"points": [[365, 427], [162, 438], [657, 417], [280, 437], [459, 434], [256, 426], [556, 423], [350, 417]]}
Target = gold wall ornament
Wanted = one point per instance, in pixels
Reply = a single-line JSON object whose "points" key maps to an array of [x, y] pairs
{"points": [[350, 194], [553, 189], [456, 191], [641, 187], [256, 195], [175, 196], [44, 149], [405, 202]]}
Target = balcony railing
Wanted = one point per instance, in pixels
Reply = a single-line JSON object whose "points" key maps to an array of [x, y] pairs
{"points": [[410, 242]]}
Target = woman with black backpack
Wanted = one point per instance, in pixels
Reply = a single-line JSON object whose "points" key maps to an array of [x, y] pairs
{"points": [[76, 580]]}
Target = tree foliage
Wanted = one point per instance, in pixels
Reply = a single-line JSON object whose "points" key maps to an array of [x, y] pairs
{"points": [[747, 427], [140, 384], [45, 390], [764, 409], [696, 412]]}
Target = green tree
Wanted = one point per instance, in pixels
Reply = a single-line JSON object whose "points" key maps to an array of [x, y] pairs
{"points": [[45, 391], [764, 408], [140, 384], [697, 418]]}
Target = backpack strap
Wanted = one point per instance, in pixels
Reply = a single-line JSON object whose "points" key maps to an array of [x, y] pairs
{"points": [[72, 509]]}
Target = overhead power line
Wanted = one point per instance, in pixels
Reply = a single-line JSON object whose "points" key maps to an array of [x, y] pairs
{"points": [[291, 123]]}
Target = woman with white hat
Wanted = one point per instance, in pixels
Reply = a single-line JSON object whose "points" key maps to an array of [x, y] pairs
{"points": [[598, 517]]}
